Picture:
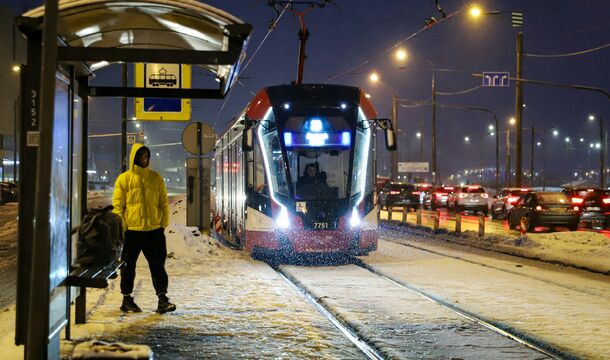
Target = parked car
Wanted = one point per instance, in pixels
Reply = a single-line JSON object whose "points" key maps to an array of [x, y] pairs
{"points": [[9, 191], [549, 209], [437, 198], [469, 198], [594, 205], [398, 194], [504, 201]]}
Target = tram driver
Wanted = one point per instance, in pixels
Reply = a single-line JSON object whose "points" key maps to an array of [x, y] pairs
{"points": [[312, 185]]}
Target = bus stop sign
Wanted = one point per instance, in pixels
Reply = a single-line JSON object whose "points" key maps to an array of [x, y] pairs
{"points": [[166, 76]]}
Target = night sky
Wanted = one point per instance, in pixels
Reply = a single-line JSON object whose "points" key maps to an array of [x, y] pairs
{"points": [[350, 39]]}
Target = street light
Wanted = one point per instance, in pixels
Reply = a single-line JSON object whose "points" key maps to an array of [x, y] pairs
{"points": [[401, 54], [475, 11], [467, 138], [374, 77], [16, 68]]}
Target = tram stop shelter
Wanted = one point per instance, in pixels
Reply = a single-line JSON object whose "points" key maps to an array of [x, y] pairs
{"points": [[67, 41]]}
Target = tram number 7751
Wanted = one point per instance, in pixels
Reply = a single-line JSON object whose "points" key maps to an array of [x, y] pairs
{"points": [[320, 225]]}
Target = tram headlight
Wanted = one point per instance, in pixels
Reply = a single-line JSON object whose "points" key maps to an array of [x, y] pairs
{"points": [[282, 221], [355, 219]]}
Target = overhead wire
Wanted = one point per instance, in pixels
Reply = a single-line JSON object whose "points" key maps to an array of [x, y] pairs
{"points": [[367, 61], [224, 103], [568, 54]]}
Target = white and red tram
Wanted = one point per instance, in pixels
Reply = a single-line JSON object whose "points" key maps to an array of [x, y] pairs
{"points": [[261, 160]]}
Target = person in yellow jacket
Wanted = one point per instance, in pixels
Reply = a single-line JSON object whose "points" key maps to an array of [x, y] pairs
{"points": [[140, 199]]}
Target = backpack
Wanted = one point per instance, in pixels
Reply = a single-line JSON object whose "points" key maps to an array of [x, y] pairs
{"points": [[101, 238]]}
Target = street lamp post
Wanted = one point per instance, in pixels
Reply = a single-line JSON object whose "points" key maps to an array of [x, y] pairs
{"points": [[434, 168], [602, 165]]}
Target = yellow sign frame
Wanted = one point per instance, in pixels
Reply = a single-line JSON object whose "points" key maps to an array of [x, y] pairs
{"points": [[185, 83]]}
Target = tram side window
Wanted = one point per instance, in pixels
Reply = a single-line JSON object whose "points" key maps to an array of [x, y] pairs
{"points": [[260, 183], [250, 168]]}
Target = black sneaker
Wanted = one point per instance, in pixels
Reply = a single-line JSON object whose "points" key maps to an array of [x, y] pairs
{"points": [[129, 305], [164, 305]]}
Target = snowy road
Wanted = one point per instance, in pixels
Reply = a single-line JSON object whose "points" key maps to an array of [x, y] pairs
{"points": [[567, 308]]}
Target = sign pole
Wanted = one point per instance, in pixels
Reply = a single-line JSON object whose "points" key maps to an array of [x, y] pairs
{"points": [[200, 172]]}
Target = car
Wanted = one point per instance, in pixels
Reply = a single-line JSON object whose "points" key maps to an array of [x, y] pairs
{"points": [[9, 191], [548, 209], [469, 198], [398, 194], [594, 205], [422, 189], [504, 201], [437, 198]]}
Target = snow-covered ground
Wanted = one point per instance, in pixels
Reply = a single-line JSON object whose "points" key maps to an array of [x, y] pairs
{"points": [[582, 249], [231, 306]]}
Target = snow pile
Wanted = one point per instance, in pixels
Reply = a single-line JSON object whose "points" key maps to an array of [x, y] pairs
{"points": [[102, 350], [581, 249]]}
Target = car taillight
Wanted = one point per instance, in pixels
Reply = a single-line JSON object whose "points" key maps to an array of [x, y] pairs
{"points": [[576, 208], [578, 201], [606, 200], [438, 195], [512, 199], [394, 192], [463, 195], [415, 193], [484, 196]]}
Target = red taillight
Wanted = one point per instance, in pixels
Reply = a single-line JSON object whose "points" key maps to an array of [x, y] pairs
{"points": [[438, 195], [525, 190], [448, 188], [463, 195], [415, 193], [577, 201], [606, 201], [394, 192], [484, 196], [512, 199]]}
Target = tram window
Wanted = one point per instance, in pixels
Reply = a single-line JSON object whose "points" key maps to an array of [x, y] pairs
{"points": [[260, 185], [335, 123]]}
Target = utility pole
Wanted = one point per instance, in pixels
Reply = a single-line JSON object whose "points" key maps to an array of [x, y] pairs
{"points": [[434, 168], [124, 122], [532, 158], [394, 154], [519, 113], [507, 176], [603, 145]]}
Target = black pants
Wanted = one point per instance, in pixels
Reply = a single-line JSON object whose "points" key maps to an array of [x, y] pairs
{"points": [[152, 244]]}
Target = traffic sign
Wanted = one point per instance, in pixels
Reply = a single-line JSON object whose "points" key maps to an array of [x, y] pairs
{"points": [[496, 79], [413, 167], [131, 139], [189, 138], [517, 18], [163, 76]]}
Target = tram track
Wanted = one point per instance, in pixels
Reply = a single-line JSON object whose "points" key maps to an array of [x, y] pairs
{"points": [[346, 330], [372, 352], [518, 273], [514, 334]]}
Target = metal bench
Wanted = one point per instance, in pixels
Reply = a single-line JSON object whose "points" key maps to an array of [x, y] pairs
{"points": [[93, 277]]}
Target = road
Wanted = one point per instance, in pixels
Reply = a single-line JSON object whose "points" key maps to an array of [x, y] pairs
{"points": [[470, 222]]}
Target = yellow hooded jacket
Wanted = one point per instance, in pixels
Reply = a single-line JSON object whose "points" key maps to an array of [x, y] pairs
{"points": [[140, 197]]}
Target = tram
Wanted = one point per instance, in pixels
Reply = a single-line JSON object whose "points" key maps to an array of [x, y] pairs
{"points": [[295, 173]]}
